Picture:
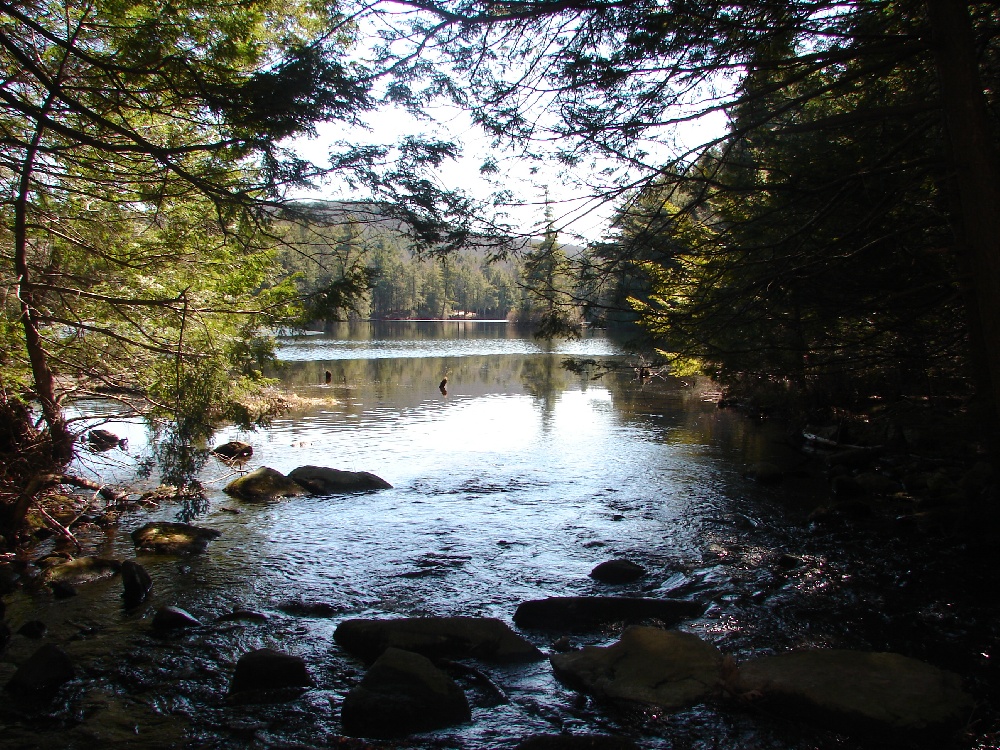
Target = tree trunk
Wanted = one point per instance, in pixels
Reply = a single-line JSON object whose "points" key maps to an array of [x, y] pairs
{"points": [[976, 167], [59, 435]]}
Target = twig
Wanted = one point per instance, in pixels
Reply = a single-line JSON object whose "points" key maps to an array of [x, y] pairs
{"points": [[59, 527]]}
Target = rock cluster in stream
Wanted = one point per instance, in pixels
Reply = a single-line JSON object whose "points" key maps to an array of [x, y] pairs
{"points": [[416, 665]]}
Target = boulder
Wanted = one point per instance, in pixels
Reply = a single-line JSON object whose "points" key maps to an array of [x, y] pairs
{"points": [[666, 668], [233, 450], [104, 440], [402, 693], [174, 618], [866, 691], [320, 610], [483, 638], [320, 480], [588, 612], [171, 538], [33, 629], [41, 676], [269, 676], [617, 571], [136, 583], [83, 570], [263, 484]]}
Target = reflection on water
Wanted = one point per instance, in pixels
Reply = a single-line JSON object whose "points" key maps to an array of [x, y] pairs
{"points": [[513, 486]]}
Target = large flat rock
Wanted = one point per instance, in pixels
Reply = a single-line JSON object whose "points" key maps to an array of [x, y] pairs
{"points": [[858, 690], [321, 480], [666, 668], [587, 612], [483, 638], [165, 537]]}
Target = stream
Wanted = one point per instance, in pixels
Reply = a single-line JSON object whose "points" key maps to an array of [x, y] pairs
{"points": [[512, 485]]}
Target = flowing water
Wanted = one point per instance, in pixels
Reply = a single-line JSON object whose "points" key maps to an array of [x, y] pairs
{"points": [[509, 484]]}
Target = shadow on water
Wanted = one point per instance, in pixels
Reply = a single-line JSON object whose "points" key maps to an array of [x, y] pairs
{"points": [[512, 486]]}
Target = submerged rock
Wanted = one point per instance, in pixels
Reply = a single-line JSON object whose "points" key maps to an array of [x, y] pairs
{"points": [[264, 484], [104, 440], [324, 481], [617, 571], [174, 618], [233, 450], [666, 668], [402, 693], [169, 538], [587, 612], [83, 570], [136, 583], [320, 610], [41, 676], [483, 638], [867, 691], [269, 676]]}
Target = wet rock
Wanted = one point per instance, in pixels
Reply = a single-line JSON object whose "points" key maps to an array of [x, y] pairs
{"points": [[587, 612], [483, 638], [787, 561], [269, 676], [233, 450], [104, 440], [264, 484], [242, 615], [136, 583], [172, 538], [41, 676], [575, 742], [618, 571], [83, 570], [5, 635], [33, 629], [666, 668], [308, 609], [858, 690], [324, 481], [62, 589], [764, 473], [402, 693], [174, 618]]}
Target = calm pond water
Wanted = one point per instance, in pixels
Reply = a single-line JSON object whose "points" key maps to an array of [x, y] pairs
{"points": [[511, 486]]}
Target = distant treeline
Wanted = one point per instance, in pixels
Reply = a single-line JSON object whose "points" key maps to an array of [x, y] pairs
{"points": [[349, 265]]}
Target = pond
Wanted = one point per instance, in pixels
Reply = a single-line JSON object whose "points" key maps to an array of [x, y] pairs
{"points": [[510, 483]]}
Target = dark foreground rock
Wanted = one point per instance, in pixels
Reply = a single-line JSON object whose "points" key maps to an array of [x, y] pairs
{"points": [[324, 481], [402, 693], [136, 583], [617, 571], [666, 668], [483, 638], [264, 484], [41, 676], [266, 676], [587, 612], [172, 538], [83, 570], [174, 618], [857, 690]]}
